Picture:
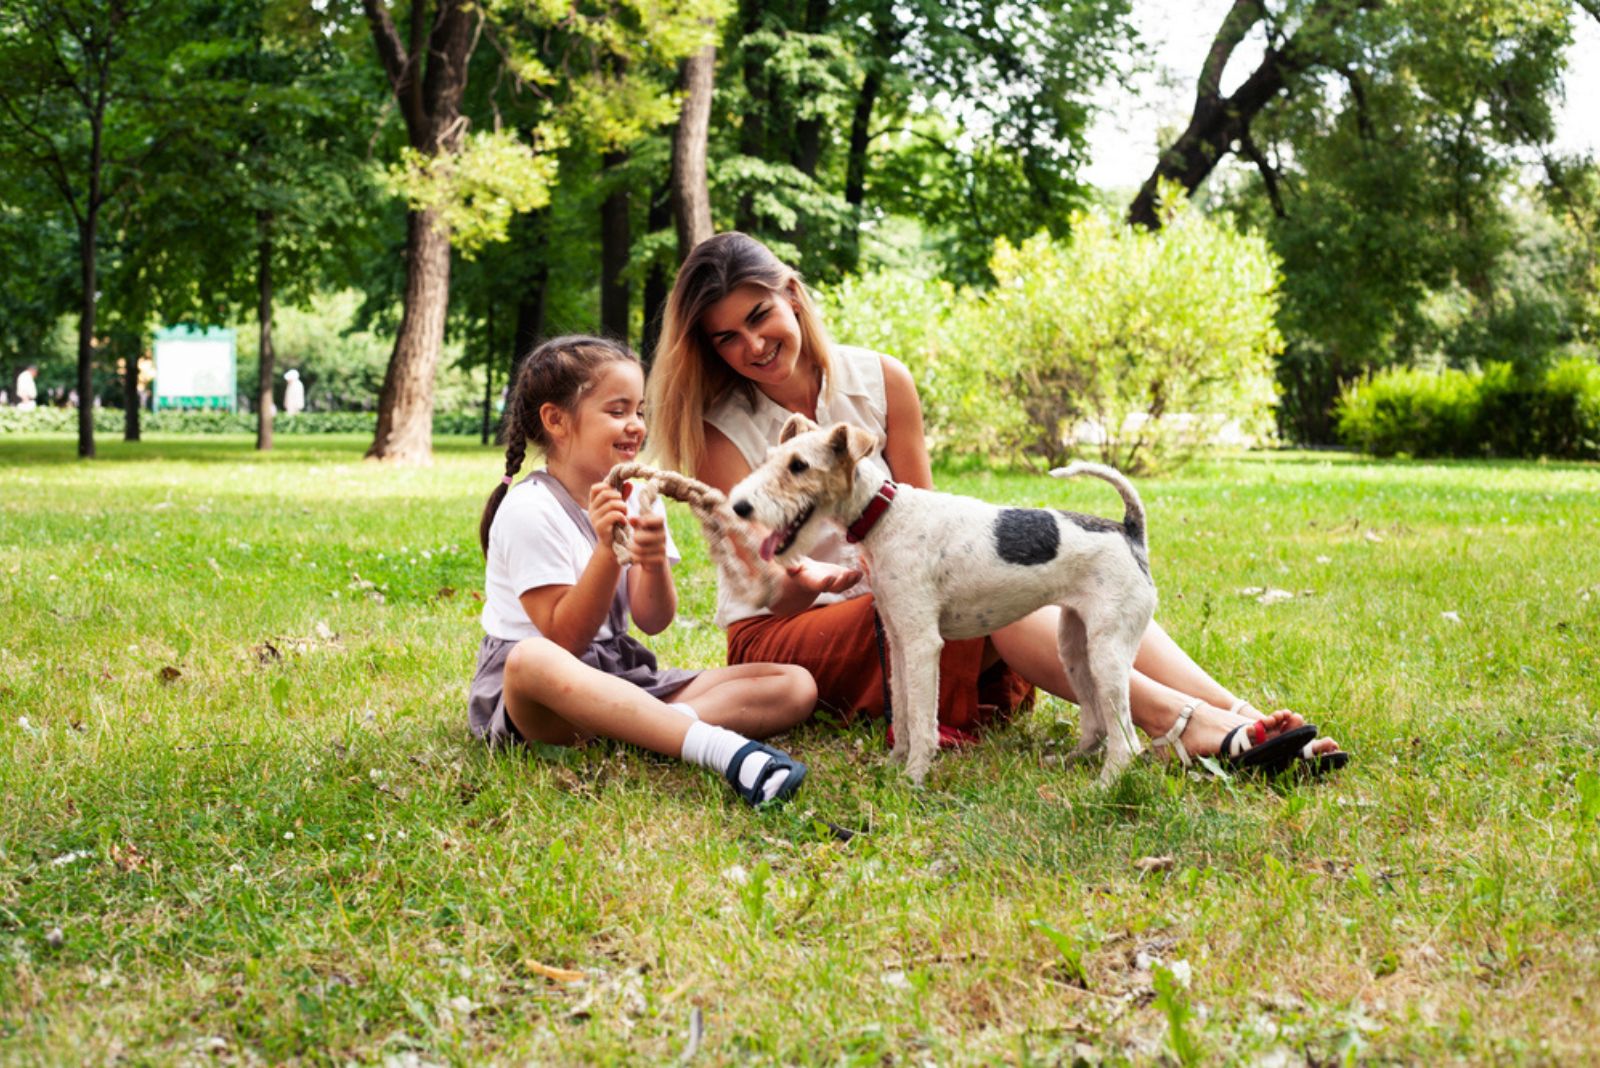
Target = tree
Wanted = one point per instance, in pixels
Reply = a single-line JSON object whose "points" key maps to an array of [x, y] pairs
{"points": [[90, 92], [1381, 141], [428, 77]]}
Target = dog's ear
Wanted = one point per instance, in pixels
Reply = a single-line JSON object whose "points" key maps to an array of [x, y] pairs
{"points": [[797, 424], [853, 441]]}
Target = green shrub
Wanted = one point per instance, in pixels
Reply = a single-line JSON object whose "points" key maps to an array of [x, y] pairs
{"points": [[1139, 346], [1493, 412], [110, 421], [1411, 411]]}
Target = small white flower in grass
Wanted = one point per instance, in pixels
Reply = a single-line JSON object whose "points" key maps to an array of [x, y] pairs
{"points": [[1181, 972], [736, 874], [375, 774], [237, 869], [55, 578], [371, 837], [29, 728], [401, 835], [896, 980], [1451, 617], [1324, 559], [288, 836]]}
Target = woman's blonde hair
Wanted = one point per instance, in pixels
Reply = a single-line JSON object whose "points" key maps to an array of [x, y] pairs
{"points": [[687, 377]]}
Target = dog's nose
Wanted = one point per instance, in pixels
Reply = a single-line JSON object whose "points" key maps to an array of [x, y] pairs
{"points": [[742, 509]]}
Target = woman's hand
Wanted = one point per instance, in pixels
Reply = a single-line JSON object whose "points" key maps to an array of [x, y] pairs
{"points": [[817, 578], [607, 508]]}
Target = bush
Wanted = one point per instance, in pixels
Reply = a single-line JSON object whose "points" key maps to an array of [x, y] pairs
{"points": [[1406, 410], [1138, 346], [110, 421], [1493, 412]]}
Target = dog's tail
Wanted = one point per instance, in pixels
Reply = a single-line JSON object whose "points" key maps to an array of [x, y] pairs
{"points": [[1133, 519]]}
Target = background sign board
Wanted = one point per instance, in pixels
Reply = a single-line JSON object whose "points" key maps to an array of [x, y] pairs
{"points": [[195, 368]]}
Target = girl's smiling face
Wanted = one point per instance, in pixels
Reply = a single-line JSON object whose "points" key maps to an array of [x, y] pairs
{"points": [[606, 427], [755, 331]]}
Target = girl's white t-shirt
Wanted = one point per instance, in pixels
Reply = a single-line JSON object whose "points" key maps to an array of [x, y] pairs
{"points": [[534, 543]]}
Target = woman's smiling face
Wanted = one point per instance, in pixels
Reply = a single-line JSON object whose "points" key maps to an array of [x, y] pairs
{"points": [[755, 331]]}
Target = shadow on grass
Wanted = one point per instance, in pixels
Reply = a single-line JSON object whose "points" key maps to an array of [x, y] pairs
{"points": [[45, 450]]}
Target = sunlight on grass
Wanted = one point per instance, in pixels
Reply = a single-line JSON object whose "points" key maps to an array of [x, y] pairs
{"points": [[241, 817]]}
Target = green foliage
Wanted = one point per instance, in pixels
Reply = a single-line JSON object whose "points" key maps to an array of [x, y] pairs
{"points": [[478, 189], [1395, 156], [167, 421], [1493, 412], [1141, 346]]}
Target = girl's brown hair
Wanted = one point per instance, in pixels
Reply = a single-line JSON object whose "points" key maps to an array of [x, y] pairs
{"points": [[558, 372], [687, 376]]}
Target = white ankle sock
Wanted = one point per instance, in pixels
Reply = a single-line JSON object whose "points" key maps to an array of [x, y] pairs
{"points": [[679, 706], [714, 747]]}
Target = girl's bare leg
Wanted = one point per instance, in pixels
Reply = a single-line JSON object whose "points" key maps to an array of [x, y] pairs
{"points": [[555, 698], [1164, 679], [757, 700]]}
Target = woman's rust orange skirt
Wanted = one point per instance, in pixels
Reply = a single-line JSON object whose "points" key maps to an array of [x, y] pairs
{"points": [[842, 645]]}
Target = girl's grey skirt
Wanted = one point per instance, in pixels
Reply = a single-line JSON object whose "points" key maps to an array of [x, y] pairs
{"points": [[621, 655]]}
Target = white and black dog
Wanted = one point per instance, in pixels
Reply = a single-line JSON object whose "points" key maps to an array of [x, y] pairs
{"points": [[943, 566]]}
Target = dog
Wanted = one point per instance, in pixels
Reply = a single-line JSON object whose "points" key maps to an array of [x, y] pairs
{"points": [[944, 566]]}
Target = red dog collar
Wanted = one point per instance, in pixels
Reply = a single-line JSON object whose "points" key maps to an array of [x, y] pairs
{"points": [[874, 512]]}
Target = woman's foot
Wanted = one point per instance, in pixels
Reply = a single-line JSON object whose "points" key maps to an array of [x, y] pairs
{"points": [[1203, 730], [1322, 746]]}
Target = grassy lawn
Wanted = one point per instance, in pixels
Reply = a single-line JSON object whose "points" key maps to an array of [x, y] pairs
{"points": [[241, 820]]}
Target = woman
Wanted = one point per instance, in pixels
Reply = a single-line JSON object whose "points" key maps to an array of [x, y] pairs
{"points": [[741, 348]]}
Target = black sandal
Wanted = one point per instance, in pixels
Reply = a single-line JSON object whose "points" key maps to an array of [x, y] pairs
{"points": [[777, 761]]}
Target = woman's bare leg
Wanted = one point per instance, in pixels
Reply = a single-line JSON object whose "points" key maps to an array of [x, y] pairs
{"points": [[757, 700], [1164, 679]]}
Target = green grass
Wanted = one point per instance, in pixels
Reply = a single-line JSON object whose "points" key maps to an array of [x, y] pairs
{"points": [[296, 854]]}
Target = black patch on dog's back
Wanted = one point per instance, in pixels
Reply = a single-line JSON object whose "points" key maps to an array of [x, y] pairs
{"points": [[1027, 536], [1100, 525]]}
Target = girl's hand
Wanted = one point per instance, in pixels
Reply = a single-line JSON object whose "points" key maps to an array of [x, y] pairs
{"points": [[816, 577], [649, 542], [607, 508]]}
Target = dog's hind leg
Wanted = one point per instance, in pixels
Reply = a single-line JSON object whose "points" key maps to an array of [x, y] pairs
{"points": [[1073, 641], [1112, 645]]}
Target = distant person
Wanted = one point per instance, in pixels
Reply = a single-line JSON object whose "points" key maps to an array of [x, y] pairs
{"points": [[294, 394], [28, 389], [557, 664]]}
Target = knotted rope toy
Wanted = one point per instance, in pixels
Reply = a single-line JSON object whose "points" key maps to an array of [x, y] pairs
{"points": [[732, 546]]}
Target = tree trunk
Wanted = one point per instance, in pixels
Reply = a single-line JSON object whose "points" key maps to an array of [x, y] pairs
{"points": [[753, 125], [529, 331], [657, 280], [265, 411], [807, 145], [405, 407], [691, 195], [1220, 124], [128, 344], [428, 77], [616, 239], [488, 371]]}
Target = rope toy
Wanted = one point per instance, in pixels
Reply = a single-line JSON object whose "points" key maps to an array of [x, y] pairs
{"points": [[728, 537]]}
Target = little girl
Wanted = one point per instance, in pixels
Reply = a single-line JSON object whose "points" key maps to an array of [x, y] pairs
{"points": [[557, 663]]}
